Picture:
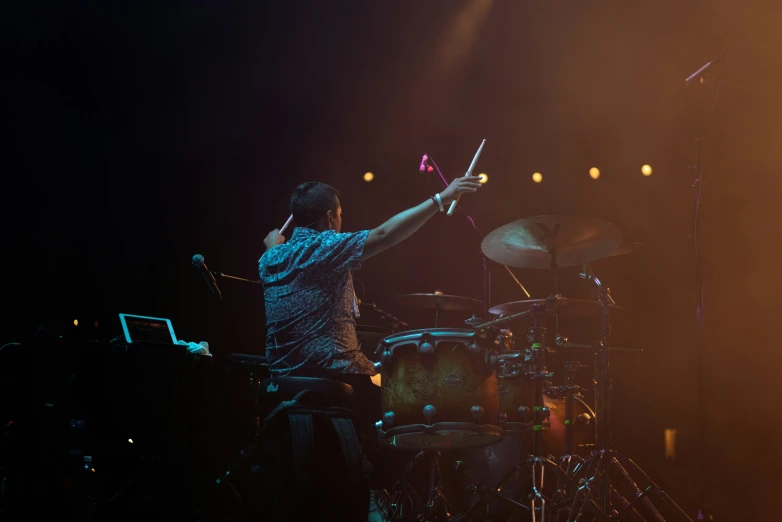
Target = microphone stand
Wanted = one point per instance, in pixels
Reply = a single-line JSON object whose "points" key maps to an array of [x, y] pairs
{"points": [[486, 267], [226, 276], [696, 232], [396, 322]]}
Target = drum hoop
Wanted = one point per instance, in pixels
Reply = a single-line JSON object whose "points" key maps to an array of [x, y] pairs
{"points": [[434, 335], [490, 430]]}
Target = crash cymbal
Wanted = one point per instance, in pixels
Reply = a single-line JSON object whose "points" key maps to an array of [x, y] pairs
{"points": [[553, 241], [567, 307], [628, 247], [439, 301]]}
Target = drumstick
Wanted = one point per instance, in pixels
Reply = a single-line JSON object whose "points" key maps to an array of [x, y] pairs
{"points": [[468, 174], [286, 224]]}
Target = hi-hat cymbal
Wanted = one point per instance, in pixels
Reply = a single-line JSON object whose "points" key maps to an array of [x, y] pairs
{"points": [[553, 241], [439, 301], [565, 306]]}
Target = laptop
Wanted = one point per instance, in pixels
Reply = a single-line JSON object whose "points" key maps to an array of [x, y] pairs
{"points": [[140, 328]]}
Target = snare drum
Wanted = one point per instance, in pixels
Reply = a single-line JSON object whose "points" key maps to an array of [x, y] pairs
{"points": [[439, 390]]}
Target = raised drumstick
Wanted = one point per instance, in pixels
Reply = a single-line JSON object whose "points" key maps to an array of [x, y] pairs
{"points": [[468, 174], [286, 224]]}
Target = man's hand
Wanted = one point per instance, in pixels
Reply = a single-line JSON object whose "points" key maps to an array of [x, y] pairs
{"points": [[460, 186], [273, 239]]}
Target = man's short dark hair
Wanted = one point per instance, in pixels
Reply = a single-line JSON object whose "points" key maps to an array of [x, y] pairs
{"points": [[311, 201]]}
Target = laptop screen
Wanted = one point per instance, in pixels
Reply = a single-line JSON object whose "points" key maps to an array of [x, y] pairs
{"points": [[147, 329]]}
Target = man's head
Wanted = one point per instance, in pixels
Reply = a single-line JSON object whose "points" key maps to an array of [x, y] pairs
{"points": [[316, 205]]}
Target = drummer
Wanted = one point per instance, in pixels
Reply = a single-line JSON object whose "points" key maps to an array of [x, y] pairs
{"points": [[308, 288]]}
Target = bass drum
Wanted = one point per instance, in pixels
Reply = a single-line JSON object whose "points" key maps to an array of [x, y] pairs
{"points": [[492, 465], [439, 390]]}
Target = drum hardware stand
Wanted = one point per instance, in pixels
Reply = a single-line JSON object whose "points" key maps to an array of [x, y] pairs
{"points": [[536, 463], [435, 501], [486, 266], [603, 459], [569, 391]]}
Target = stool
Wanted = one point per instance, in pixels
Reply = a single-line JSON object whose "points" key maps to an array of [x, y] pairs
{"points": [[308, 429]]}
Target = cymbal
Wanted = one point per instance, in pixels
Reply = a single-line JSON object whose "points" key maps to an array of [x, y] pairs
{"points": [[439, 301], [553, 241], [567, 307], [628, 247]]}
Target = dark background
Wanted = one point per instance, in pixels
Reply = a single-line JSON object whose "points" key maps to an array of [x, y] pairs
{"points": [[139, 134]]}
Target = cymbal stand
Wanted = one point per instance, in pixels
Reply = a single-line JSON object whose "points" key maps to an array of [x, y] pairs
{"points": [[568, 391], [603, 459], [535, 463]]}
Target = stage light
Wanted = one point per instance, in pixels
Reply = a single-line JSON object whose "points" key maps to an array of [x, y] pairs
{"points": [[594, 173], [646, 170], [484, 178], [75, 322], [368, 176], [130, 441], [537, 177]]}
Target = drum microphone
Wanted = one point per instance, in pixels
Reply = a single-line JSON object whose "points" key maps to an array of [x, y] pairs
{"points": [[425, 167], [198, 262]]}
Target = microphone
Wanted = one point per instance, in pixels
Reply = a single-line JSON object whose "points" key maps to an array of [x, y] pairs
{"points": [[699, 72], [198, 262], [424, 160]]}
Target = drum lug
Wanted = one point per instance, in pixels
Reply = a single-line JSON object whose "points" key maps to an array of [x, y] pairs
{"points": [[429, 413], [477, 413], [492, 363], [378, 365], [474, 348], [425, 347], [502, 418], [523, 413]]}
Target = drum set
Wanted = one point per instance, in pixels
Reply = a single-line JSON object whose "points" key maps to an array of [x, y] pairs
{"points": [[453, 397]]}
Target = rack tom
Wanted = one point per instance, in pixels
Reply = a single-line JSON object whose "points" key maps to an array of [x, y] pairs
{"points": [[439, 390]]}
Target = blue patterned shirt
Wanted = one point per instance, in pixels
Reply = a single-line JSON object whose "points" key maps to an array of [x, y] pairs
{"points": [[310, 304]]}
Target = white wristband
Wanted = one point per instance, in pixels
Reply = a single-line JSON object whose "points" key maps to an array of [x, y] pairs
{"points": [[439, 202]]}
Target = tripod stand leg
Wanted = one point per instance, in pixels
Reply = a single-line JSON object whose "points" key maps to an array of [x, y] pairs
{"points": [[657, 489], [589, 486], [639, 495]]}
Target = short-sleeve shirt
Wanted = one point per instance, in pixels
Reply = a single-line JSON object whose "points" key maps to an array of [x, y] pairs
{"points": [[311, 304]]}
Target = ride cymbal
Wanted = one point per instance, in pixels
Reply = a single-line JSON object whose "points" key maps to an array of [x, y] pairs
{"points": [[439, 301], [565, 306], [552, 241]]}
